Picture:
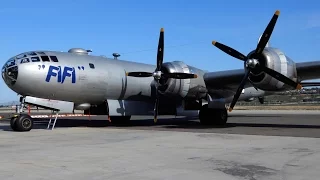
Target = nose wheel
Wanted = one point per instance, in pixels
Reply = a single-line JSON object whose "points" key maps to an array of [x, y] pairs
{"points": [[22, 122]]}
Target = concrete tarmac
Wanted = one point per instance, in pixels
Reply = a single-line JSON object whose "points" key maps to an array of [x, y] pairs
{"points": [[254, 145]]}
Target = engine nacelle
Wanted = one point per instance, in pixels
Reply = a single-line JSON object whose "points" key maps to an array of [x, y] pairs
{"points": [[249, 99], [83, 106], [190, 88], [274, 59]]}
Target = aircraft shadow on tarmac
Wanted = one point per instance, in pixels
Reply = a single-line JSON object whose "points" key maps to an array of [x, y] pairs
{"points": [[163, 123], [6, 127]]}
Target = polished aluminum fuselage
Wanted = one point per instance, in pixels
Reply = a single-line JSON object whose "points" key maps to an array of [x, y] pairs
{"points": [[106, 80], [82, 78]]}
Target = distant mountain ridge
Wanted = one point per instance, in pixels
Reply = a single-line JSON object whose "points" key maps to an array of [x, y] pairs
{"points": [[10, 103]]}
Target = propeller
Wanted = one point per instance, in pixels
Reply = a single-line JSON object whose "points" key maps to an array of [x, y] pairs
{"points": [[253, 63], [158, 74], [261, 99]]}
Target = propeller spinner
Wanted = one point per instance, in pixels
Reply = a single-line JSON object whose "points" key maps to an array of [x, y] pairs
{"points": [[158, 74], [253, 63]]}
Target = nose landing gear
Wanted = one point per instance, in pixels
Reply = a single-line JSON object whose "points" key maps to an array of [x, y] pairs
{"points": [[22, 122]]}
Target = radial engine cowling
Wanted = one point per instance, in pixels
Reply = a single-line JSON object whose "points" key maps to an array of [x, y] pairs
{"points": [[274, 59], [192, 88]]}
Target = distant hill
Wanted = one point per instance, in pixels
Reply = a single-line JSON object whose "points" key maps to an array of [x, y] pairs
{"points": [[10, 103]]}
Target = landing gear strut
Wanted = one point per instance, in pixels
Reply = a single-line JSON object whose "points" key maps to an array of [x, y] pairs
{"points": [[210, 116], [22, 122]]}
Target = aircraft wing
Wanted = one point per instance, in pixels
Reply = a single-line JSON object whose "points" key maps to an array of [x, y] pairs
{"points": [[308, 70], [225, 83]]}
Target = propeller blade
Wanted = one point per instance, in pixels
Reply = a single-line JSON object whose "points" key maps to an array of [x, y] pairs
{"points": [[267, 33], [239, 90], [160, 50], [156, 106], [261, 100], [139, 74], [180, 75], [281, 77], [229, 50]]}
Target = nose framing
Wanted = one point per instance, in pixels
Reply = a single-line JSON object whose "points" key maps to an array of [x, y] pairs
{"points": [[10, 72]]}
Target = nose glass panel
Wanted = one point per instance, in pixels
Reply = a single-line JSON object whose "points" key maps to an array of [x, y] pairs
{"points": [[3, 71], [10, 62], [10, 72]]}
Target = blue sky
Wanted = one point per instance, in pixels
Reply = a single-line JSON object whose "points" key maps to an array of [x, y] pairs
{"points": [[131, 28]]}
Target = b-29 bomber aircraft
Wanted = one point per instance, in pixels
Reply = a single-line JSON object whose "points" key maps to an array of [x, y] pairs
{"points": [[77, 80]]}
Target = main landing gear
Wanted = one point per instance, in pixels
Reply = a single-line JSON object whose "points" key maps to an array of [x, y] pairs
{"points": [[21, 122], [210, 116]]}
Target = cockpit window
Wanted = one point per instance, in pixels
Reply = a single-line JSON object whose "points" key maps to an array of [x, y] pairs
{"points": [[54, 58], [24, 60], [23, 55], [45, 58], [32, 53], [35, 59]]}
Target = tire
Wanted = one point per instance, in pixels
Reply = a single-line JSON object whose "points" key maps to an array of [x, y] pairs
{"points": [[13, 123], [24, 123], [209, 116], [205, 115], [221, 116]]}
